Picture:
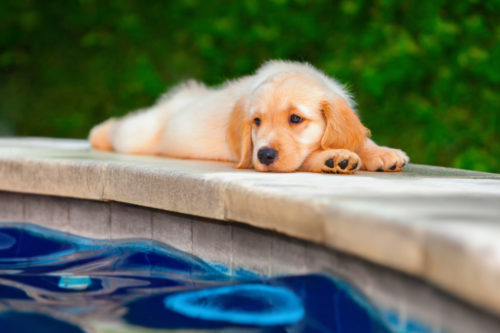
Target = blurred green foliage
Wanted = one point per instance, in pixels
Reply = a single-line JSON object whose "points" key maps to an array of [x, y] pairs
{"points": [[426, 74]]}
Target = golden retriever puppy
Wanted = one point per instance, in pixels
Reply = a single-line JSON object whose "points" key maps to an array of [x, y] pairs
{"points": [[286, 117]]}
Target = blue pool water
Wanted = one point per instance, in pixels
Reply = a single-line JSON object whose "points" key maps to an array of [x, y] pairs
{"points": [[55, 282]]}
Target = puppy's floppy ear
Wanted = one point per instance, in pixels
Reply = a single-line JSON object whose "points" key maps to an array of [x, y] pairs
{"points": [[239, 135], [343, 127]]}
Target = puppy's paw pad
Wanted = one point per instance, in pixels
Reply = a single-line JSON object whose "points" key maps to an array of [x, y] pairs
{"points": [[330, 163], [343, 162]]}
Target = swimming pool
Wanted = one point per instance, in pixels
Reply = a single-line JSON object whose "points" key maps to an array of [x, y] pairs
{"points": [[57, 282]]}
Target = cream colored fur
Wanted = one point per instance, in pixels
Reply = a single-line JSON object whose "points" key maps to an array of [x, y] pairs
{"points": [[193, 121]]}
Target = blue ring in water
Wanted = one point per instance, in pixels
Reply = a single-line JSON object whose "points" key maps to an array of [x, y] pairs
{"points": [[6, 241], [283, 307]]}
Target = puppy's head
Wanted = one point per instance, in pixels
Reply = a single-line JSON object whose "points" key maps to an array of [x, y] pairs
{"points": [[286, 118]]}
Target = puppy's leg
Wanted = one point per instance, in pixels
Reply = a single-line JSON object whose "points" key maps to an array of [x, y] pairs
{"points": [[378, 158], [137, 133], [341, 161], [100, 135]]}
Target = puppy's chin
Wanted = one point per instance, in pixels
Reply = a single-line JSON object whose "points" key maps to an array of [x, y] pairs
{"points": [[272, 168]]}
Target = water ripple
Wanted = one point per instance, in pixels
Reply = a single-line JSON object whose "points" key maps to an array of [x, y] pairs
{"points": [[53, 280]]}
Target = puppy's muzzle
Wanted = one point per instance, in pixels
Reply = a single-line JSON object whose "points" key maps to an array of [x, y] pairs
{"points": [[267, 156]]}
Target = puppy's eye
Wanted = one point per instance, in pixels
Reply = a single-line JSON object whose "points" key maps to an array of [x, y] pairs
{"points": [[257, 121], [294, 119]]}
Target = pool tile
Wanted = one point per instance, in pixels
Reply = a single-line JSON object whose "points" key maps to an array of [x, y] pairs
{"points": [[174, 230], [319, 259], [213, 243], [130, 222], [288, 256], [47, 211], [11, 207], [90, 218], [251, 250]]}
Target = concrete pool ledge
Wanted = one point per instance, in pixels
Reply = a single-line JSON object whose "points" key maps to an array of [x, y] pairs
{"points": [[438, 224]]}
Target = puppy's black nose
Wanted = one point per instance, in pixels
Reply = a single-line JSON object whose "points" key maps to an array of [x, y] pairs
{"points": [[267, 155]]}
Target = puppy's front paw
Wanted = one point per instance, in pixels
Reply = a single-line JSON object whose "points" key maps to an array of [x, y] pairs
{"points": [[341, 161], [384, 159]]}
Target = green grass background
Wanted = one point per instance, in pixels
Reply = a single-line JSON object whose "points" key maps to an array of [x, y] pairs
{"points": [[426, 74]]}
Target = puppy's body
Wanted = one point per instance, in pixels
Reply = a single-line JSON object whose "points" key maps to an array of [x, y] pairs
{"points": [[198, 122]]}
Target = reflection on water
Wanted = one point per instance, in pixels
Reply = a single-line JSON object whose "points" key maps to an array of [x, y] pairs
{"points": [[249, 304], [54, 282]]}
